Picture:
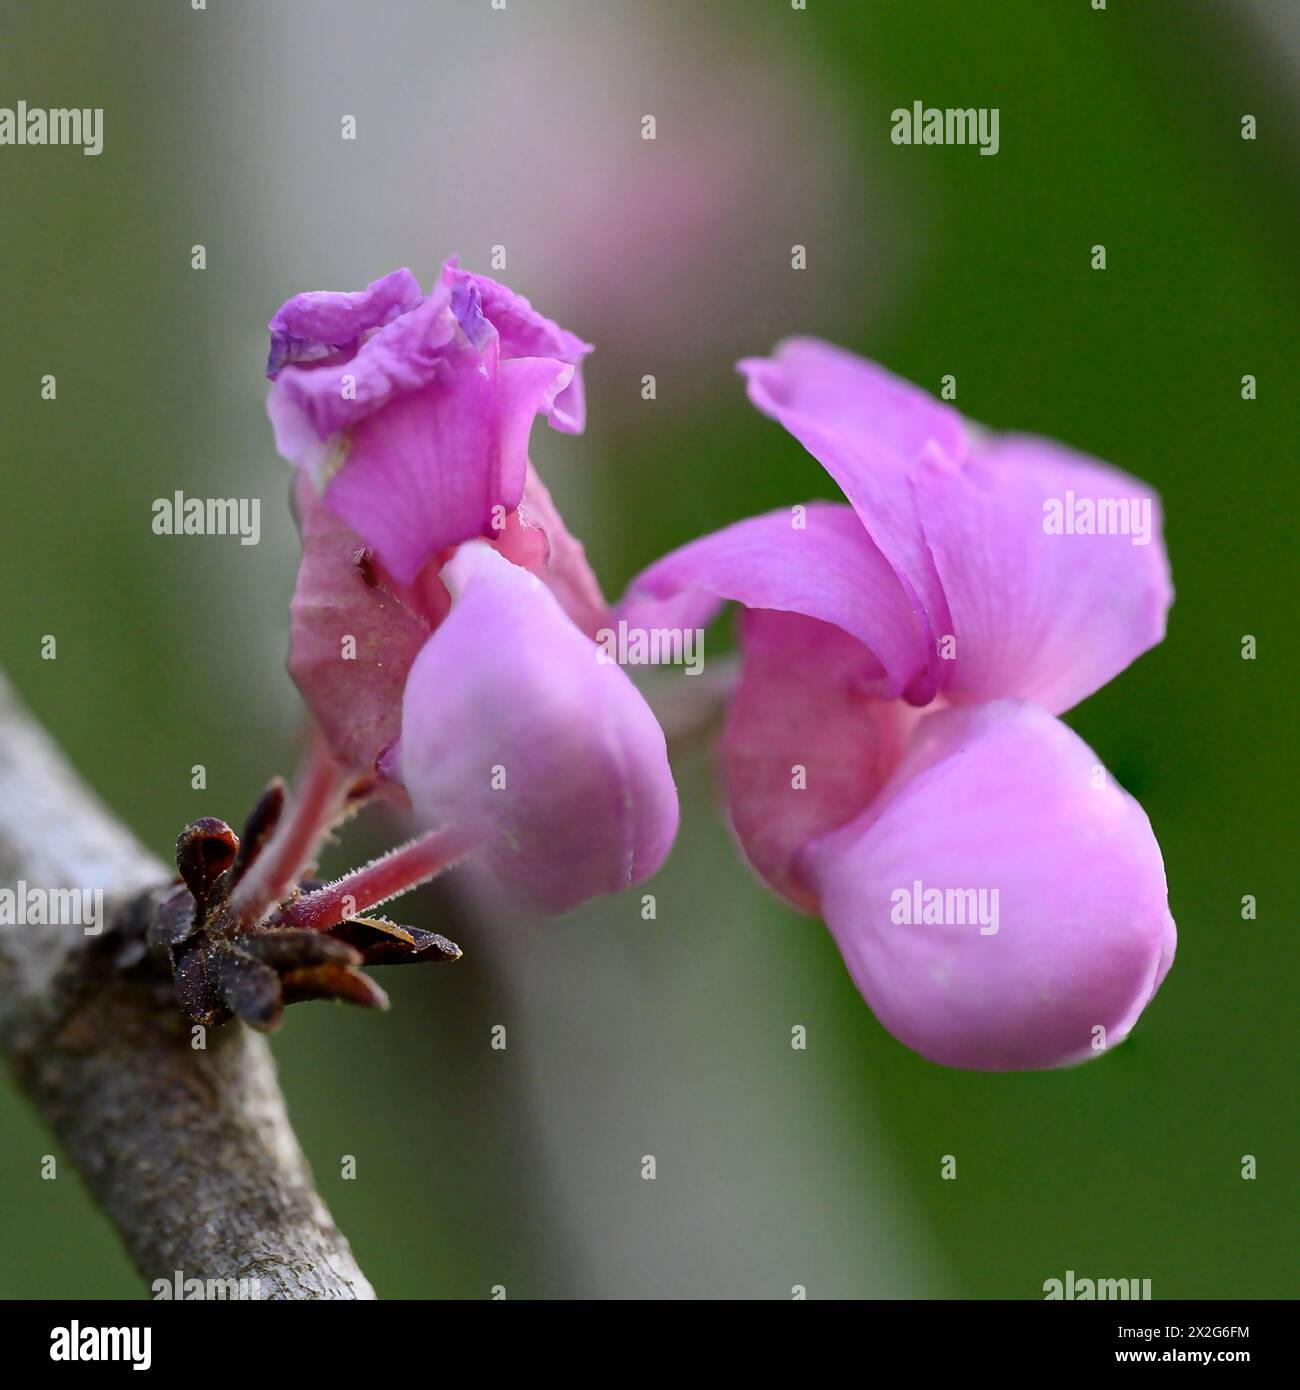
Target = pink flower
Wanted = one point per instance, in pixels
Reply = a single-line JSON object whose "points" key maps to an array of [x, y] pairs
{"points": [[462, 669], [412, 413], [890, 755]]}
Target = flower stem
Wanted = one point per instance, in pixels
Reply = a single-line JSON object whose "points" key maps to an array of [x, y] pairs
{"points": [[322, 788], [383, 878]]}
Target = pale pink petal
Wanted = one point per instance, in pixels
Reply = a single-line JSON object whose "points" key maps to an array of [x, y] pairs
{"points": [[515, 733], [808, 379], [1002, 797]]}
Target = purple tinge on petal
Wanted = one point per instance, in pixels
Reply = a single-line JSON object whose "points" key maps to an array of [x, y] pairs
{"points": [[402, 356], [354, 691], [517, 734], [523, 333], [825, 568], [1038, 609], [323, 322], [999, 798], [867, 428], [805, 746]]}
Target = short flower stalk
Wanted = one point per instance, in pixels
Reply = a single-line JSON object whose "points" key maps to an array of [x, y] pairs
{"points": [[387, 877]]}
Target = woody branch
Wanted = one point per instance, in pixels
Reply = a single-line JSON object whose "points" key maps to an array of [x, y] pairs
{"points": [[189, 1152]]}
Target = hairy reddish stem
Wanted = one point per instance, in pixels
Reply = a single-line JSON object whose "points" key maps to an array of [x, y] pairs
{"points": [[383, 878], [321, 792]]}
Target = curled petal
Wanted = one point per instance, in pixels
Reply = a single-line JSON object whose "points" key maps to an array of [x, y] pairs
{"points": [[867, 428], [828, 570], [1038, 612], [515, 733], [321, 323], [524, 333], [807, 380], [999, 798], [403, 355]]}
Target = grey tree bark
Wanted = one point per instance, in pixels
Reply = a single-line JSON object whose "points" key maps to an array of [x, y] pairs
{"points": [[190, 1152]]}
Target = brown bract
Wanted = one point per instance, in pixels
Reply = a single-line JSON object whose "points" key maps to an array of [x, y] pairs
{"points": [[224, 967]]}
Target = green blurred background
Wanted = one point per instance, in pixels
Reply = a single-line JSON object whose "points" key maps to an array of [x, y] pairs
{"points": [[521, 128]]}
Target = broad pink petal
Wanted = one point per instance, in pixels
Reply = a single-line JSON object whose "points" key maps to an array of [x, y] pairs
{"points": [[444, 463], [352, 642], [805, 746], [507, 689], [828, 570], [1001, 796], [1050, 617]]}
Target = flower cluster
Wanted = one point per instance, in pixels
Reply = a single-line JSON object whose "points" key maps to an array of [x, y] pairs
{"points": [[892, 753]]}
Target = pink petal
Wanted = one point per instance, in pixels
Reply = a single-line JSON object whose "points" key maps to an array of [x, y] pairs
{"points": [[866, 428], [828, 570], [432, 467], [1049, 617], [1001, 796], [508, 687], [528, 387], [805, 746], [806, 379]]}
